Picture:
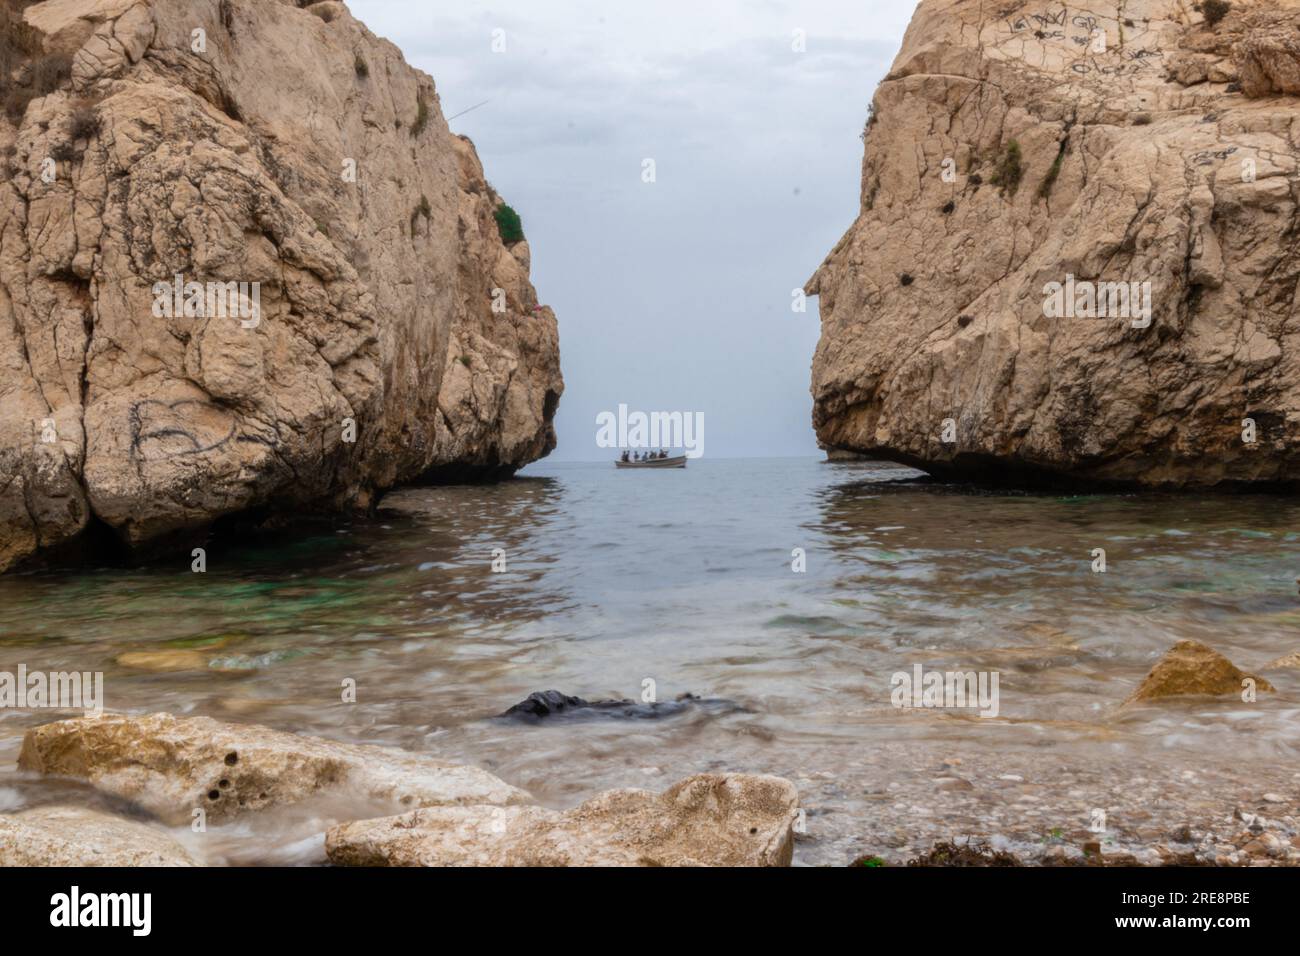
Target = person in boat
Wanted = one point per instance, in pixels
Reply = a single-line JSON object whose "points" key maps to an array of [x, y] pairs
{"points": [[624, 458]]}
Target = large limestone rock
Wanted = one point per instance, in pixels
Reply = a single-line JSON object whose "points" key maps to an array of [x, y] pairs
{"points": [[1008, 150], [282, 146], [72, 836], [706, 820], [172, 766], [1268, 53], [1190, 667]]}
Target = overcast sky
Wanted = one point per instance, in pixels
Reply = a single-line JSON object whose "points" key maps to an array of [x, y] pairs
{"points": [[673, 295]]}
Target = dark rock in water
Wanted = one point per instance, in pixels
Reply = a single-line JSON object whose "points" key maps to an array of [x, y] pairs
{"points": [[552, 703], [544, 704]]}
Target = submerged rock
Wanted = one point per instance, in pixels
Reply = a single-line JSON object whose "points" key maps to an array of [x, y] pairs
{"points": [[73, 836], [1001, 159], [705, 820], [551, 703], [172, 766], [164, 661], [255, 278], [1291, 661], [1190, 667]]}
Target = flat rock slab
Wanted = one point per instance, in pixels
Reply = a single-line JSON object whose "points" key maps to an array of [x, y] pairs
{"points": [[705, 820], [171, 766], [73, 836], [1190, 667], [550, 704]]}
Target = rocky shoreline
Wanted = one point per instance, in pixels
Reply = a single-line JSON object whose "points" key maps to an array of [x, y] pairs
{"points": [[196, 772], [152, 787], [160, 155], [1039, 811]]}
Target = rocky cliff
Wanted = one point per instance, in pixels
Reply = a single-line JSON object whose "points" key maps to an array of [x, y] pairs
{"points": [[1076, 252], [244, 266]]}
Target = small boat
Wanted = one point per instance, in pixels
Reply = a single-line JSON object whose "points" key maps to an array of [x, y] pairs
{"points": [[678, 462]]}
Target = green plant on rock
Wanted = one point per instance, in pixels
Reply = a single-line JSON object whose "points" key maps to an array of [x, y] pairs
{"points": [[84, 122], [509, 225], [871, 120], [1214, 11], [421, 116], [1045, 187], [1010, 169]]}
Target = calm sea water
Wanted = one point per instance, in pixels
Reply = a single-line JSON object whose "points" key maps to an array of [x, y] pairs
{"points": [[685, 577]]}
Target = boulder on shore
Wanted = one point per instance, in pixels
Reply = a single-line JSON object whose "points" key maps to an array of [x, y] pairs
{"points": [[74, 836], [1190, 667], [705, 820], [171, 766]]}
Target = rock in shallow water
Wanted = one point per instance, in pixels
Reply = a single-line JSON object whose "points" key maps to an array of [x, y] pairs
{"points": [[72, 836], [705, 820], [1191, 667], [1291, 660], [551, 703], [171, 766], [163, 661]]}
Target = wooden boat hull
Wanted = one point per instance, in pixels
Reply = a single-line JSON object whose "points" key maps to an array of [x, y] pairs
{"points": [[678, 462]]}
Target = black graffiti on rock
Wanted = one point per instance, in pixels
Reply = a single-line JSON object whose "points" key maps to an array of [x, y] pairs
{"points": [[190, 426]]}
